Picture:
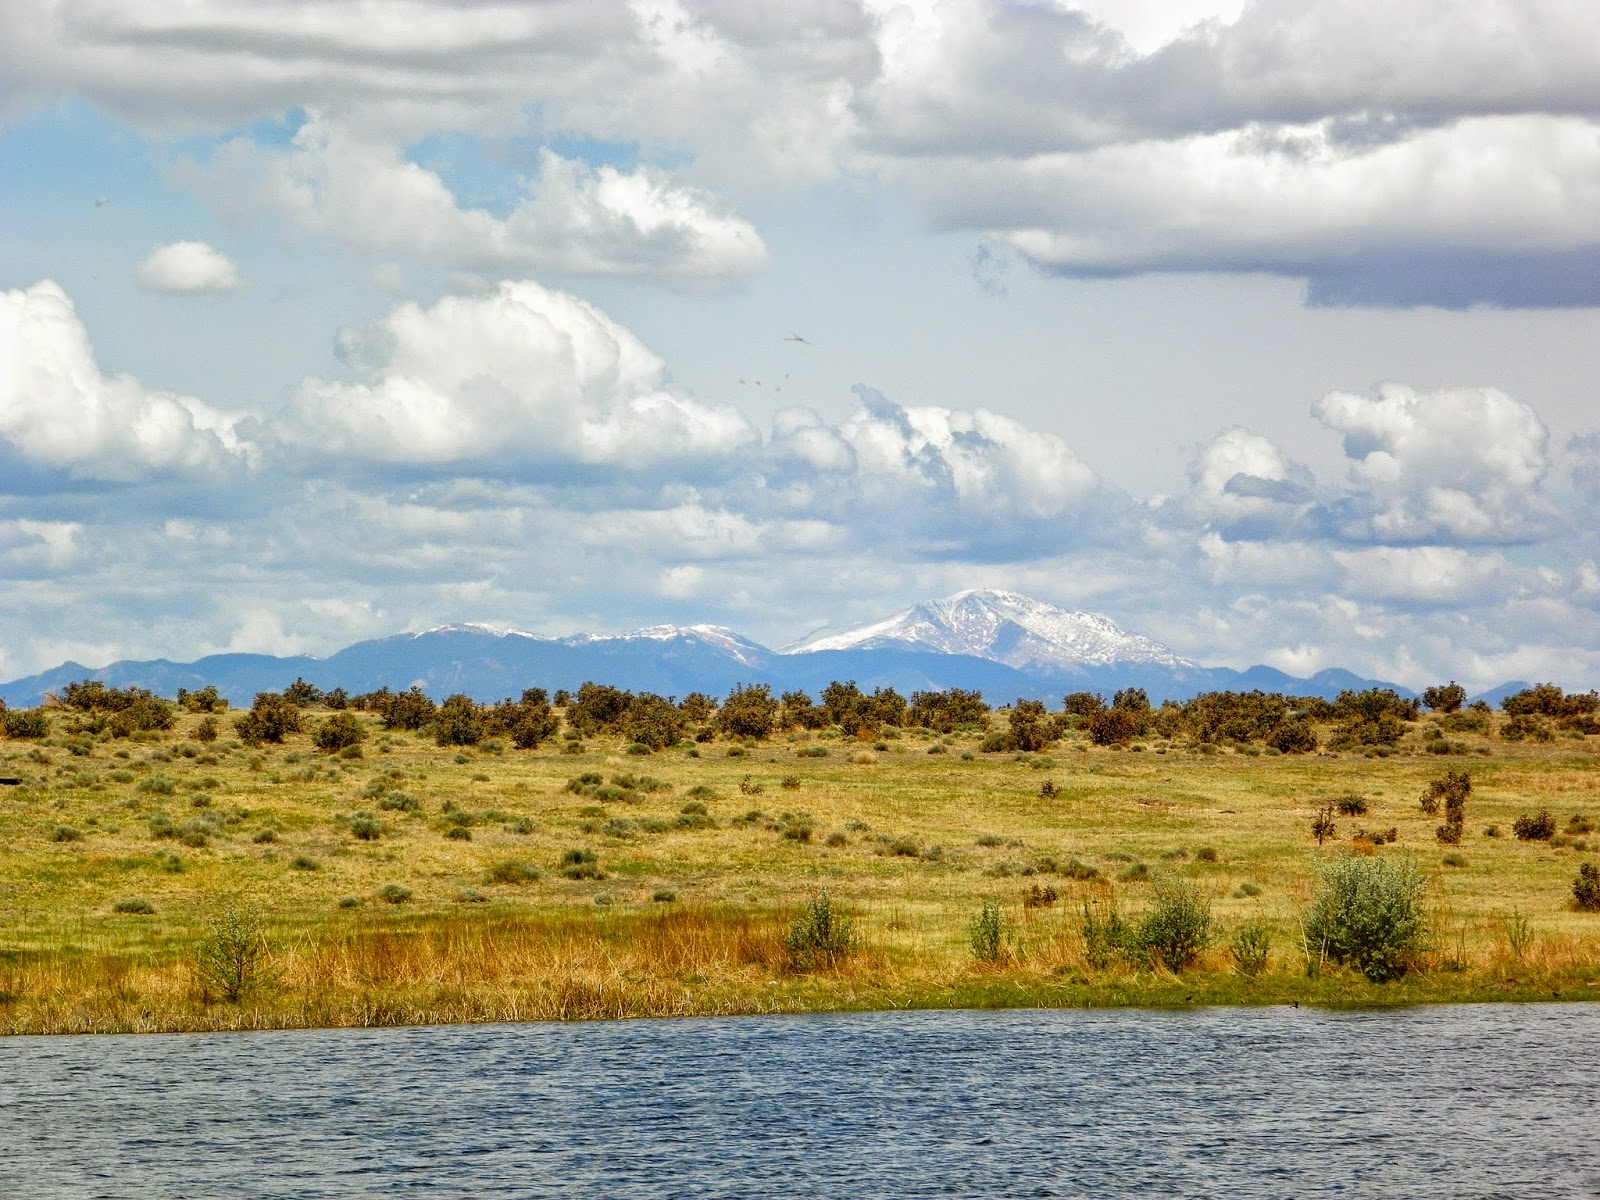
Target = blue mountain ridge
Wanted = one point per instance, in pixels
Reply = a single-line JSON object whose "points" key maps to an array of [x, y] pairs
{"points": [[488, 666]]}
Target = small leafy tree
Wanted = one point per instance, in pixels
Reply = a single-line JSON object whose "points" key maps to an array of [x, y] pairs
{"points": [[302, 694], [459, 722], [987, 934], [749, 711], [339, 731], [654, 721], [233, 959], [1112, 727], [270, 719], [1444, 699], [1031, 726], [1178, 926], [820, 936], [1367, 913], [1249, 948]]}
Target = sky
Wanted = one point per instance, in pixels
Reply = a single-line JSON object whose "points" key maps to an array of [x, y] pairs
{"points": [[1268, 328]]}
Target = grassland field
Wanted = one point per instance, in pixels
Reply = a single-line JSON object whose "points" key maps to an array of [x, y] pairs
{"points": [[409, 883]]}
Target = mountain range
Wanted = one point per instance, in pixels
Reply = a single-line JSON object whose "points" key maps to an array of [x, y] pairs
{"points": [[1003, 644]]}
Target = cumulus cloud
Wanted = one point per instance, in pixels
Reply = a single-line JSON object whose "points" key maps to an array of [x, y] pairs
{"points": [[188, 267], [1395, 153], [517, 374], [364, 194], [1242, 483], [1452, 465], [58, 410]]}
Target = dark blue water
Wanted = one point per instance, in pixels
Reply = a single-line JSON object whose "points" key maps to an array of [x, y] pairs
{"points": [[1460, 1101]]}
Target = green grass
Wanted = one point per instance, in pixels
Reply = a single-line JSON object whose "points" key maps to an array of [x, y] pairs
{"points": [[912, 845]]}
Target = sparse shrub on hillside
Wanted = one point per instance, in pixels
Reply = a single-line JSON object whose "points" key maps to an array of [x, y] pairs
{"points": [[1447, 698], [1527, 728], [270, 719], [1534, 827], [1586, 888], [25, 723], [339, 731]]}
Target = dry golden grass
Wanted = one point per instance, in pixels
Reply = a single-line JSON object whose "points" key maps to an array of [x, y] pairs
{"points": [[912, 842]]}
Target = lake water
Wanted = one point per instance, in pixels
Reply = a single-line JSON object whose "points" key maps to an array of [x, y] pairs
{"points": [[1458, 1101]]}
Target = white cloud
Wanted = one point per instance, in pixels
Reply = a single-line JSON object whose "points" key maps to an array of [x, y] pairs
{"points": [[1454, 465], [58, 410], [188, 267], [520, 373], [682, 582], [1437, 575], [362, 193]]}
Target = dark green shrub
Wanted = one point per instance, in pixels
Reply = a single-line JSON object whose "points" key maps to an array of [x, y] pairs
{"points": [[1178, 925], [459, 721], [987, 934], [1351, 805], [512, 871], [302, 862], [25, 723], [134, 906], [1293, 737], [1249, 948], [664, 895], [458, 833], [1444, 699], [1586, 888], [270, 719], [1322, 825], [1367, 913], [66, 833], [394, 893], [265, 837], [365, 828], [1534, 827], [820, 936], [750, 712], [580, 864], [1032, 728], [339, 732]]}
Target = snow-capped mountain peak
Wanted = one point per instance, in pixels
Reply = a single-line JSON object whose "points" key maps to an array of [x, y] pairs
{"points": [[736, 646], [1003, 627]]}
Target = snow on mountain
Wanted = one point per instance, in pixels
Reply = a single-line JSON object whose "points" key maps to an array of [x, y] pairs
{"points": [[481, 627], [740, 649], [1003, 627]]}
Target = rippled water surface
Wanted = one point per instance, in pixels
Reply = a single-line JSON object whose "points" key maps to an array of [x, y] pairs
{"points": [[1464, 1101]]}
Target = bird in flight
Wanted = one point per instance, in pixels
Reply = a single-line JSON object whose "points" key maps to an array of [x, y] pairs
{"points": [[795, 337], [102, 201]]}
